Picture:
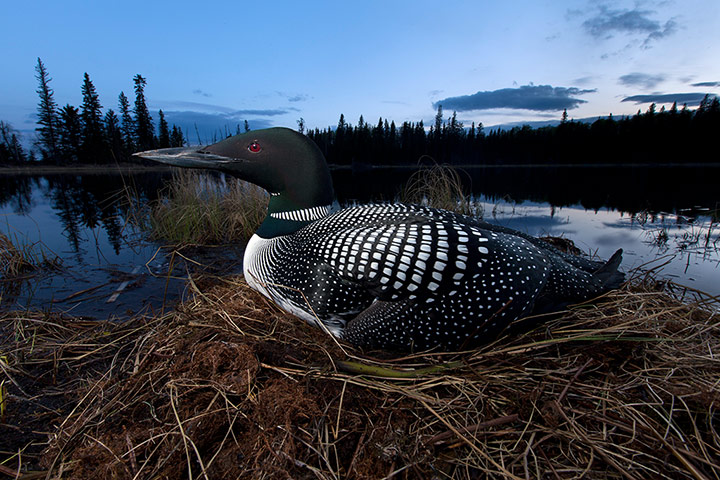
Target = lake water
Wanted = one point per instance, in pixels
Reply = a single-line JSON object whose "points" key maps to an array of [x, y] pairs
{"points": [[109, 270], [81, 220]]}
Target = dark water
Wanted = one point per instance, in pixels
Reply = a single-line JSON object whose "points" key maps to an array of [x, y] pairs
{"points": [[83, 220], [657, 215]]}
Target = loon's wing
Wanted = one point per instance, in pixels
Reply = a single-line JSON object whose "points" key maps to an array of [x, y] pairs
{"points": [[420, 255]]}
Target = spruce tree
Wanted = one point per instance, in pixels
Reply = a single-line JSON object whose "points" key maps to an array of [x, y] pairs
{"points": [[144, 134], [438, 120], [176, 137], [11, 151], [127, 127], [69, 133], [93, 143], [456, 126], [163, 131], [113, 135], [47, 115]]}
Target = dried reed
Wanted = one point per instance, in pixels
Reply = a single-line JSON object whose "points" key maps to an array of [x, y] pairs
{"points": [[18, 259], [439, 186]]}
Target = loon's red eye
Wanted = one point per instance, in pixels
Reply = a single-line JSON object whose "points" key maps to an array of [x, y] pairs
{"points": [[254, 147]]}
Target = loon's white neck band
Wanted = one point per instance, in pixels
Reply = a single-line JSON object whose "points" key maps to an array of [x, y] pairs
{"points": [[304, 215]]}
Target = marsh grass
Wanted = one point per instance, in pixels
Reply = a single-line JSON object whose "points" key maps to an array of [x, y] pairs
{"points": [[19, 258], [439, 186], [228, 386], [199, 208]]}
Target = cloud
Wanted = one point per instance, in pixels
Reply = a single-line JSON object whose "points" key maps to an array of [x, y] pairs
{"points": [[270, 112], [212, 122], [527, 97], [706, 84], [197, 91], [184, 105], [643, 80], [298, 98], [607, 23], [211, 127], [585, 80], [680, 98], [208, 108]]}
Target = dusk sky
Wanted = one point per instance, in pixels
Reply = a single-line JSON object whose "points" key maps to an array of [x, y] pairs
{"points": [[216, 64]]}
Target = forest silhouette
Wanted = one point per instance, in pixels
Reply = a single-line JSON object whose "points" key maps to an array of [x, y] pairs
{"points": [[72, 135]]}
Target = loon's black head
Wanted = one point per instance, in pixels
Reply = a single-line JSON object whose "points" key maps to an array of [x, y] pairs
{"points": [[280, 160]]}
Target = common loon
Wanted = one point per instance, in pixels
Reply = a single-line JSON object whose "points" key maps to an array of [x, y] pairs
{"points": [[390, 276]]}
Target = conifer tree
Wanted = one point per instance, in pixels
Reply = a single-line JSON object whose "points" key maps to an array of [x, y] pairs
{"points": [[176, 137], [144, 135], [127, 127], [93, 143], [113, 134], [455, 128], [247, 126], [11, 151], [70, 132], [47, 115], [438, 120], [163, 131], [704, 104]]}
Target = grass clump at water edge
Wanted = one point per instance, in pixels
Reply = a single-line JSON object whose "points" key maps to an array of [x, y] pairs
{"points": [[199, 208], [439, 186], [20, 259]]}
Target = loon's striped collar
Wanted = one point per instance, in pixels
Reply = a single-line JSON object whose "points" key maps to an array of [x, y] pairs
{"points": [[304, 215]]}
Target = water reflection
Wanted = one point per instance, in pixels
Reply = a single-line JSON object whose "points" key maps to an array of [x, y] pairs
{"points": [[83, 219], [625, 189]]}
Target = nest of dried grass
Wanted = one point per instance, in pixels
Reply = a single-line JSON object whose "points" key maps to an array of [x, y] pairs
{"points": [[230, 387]]}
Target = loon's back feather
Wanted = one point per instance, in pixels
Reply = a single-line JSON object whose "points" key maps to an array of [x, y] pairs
{"points": [[405, 276]]}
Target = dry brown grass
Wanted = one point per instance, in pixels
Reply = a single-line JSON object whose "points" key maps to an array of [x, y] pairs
{"points": [[20, 262], [439, 186], [230, 387], [17, 259]]}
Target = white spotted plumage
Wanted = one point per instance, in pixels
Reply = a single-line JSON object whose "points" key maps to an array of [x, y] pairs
{"points": [[390, 275]]}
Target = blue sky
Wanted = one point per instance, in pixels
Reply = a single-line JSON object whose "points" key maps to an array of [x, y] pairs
{"points": [[219, 63]]}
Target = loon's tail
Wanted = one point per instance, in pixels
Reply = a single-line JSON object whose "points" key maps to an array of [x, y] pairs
{"points": [[609, 274]]}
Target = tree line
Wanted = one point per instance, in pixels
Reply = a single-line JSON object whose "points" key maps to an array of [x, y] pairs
{"points": [[654, 136], [73, 135], [70, 135]]}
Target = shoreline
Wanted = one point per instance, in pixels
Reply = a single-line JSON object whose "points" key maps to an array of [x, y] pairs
{"points": [[127, 168], [86, 169]]}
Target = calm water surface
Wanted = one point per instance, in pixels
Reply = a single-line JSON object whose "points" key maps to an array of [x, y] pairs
{"points": [[659, 217], [81, 220]]}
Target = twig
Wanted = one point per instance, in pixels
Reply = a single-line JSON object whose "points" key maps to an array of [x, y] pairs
{"points": [[471, 429]]}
